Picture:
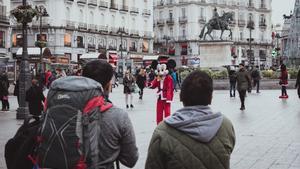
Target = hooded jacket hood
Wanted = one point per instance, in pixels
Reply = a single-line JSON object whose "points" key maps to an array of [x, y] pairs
{"points": [[198, 122]]}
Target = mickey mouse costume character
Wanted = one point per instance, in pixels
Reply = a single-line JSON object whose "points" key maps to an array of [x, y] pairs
{"points": [[164, 83]]}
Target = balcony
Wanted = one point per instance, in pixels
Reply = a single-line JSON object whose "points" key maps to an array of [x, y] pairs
{"points": [[183, 19], [251, 5], [113, 6], [114, 30], [241, 23], [134, 10], [263, 6], [134, 33], [124, 8], [69, 1], [148, 34], [262, 25], [92, 3], [160, 22], [82, 2], [92, 27], [170, 2], [103, 28], [182, 38], [4, 20], [202, 20], [146, 12], [170, 21], [82, 26], [103, 4], [70, 24]]}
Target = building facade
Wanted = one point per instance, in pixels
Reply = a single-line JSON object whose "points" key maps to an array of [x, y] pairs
{"points": [[178, 23], [77, 27], [292, 47], [4, 29]]}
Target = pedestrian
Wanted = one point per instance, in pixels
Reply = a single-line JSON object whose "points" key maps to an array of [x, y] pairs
{"points": [[128, 82], [283, 81], [16, 91], [4, 85], [141, 81], [232, 81], [298, 83], [174, 76], [151, 76], [255, 74], [243, 84], [48, 74], [194, 137], [89, 131], [35, 99]]}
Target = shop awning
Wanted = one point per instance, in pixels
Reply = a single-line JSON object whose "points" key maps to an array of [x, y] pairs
{"points": [[150, 57], [90, 56], [31, 51]]}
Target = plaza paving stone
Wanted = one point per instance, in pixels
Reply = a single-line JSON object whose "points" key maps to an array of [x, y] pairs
{"points": [[267, 132]]}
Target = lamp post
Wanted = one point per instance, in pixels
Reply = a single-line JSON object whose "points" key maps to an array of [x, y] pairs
{"points": [[250, 26], [277, 36], [41, 12], [24, 77], [167, 38], [121, 31]]}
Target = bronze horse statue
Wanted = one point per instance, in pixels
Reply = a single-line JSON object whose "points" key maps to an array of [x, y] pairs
{"points": [[221, 23]]}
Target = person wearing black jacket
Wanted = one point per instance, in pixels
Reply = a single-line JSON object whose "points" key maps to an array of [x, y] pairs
{"points": [[4, 85], [35, 99], [140, 81], [232, 81], [298, 83]]}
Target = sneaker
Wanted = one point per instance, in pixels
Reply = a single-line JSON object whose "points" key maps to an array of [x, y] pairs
{"points": [[127, 106], [281, 97], [242, 108], [286, 96], [131, 106]]}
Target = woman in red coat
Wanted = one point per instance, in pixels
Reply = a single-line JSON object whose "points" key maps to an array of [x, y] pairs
{"points": [[283, 81]]}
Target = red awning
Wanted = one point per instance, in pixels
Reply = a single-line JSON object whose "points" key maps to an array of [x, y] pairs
{"points": [[113, 58]]}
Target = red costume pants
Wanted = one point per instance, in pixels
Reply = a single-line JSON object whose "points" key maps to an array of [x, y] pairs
{"points": [[162, 108]]}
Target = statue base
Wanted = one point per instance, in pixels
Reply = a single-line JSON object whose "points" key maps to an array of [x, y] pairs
{"points": [[215, 53]]}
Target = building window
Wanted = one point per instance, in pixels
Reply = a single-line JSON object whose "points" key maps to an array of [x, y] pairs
{"points": [[17, 40], [2, 39], [241, 35], [183, 12], [67, 40], [171, 32], [80, 42], [160, 14], [202, 12], [171, 14]]}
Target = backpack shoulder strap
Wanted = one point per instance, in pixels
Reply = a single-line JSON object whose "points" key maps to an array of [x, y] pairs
{"points": [[97, 101]]}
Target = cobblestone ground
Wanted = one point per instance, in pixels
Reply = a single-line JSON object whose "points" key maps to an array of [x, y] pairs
{"points": [[267, 131]]}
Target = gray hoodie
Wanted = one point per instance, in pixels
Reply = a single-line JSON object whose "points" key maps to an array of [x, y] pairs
{"points": [[198, 122]]}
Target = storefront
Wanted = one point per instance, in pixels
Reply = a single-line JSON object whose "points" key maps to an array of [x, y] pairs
{"points": [[148, 59]]}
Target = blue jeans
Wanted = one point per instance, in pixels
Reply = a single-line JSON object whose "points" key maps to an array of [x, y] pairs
{"points": [[232, 89]]}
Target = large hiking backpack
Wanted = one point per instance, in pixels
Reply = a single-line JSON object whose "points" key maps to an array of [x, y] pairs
{"points": [[18, 150], [71, 128]]}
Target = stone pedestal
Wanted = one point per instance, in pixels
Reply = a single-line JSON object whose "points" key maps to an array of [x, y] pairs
{"points": [[215, 53]]}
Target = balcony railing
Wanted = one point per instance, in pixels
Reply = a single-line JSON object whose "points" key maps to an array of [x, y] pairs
{"points": [[170, 21], [134, 32], [4, 19], [183, 1], [146, 12], [124, 8], [201, 20], [103, 28], [103, 4], [70, 1], [82, 26], [113, 6], [182, 38], [241, 23], [251, 5], [70, 24], [92, 27], [81, 1], [262, 25], [160, 22], [183, 19], [134, 10], [170, 2], [92, 2], [114, 30]]}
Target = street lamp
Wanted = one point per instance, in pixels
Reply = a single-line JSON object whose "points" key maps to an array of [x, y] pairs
{"points": [[250, 26], [277, 36], [121, 31], [41, 12], [167, 38]]}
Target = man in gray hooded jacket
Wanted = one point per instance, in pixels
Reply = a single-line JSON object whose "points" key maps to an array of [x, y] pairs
{"points": [[194, 137]]}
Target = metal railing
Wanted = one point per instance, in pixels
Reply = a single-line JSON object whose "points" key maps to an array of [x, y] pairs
{"points": [[170, 21], [103, 28], [82, 1], [103, 4], [70, 24], [146, 12], [92, 27], [160, 22], [183, 19], [124, 8], [134, 10], [241, 22], [201, 19], [82, 25], [114, 6], [92, 2]]}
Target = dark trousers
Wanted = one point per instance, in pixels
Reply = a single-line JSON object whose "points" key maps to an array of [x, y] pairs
{"points": [[242, 94], [5, 104], [232, 89], [283, 91], [141, 93], [299, 91], [256, 83]]}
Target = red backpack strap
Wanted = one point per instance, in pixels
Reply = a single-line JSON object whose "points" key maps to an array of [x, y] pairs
{"points": [[97, 102]]}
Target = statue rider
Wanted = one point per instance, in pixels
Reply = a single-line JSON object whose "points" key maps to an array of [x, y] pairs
{"points": [[216, 16]]}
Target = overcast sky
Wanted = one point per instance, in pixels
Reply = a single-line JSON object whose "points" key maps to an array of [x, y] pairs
{"points": [[281, 7]]}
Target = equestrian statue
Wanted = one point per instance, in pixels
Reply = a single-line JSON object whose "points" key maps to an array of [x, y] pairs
{"points": [[217, 23]]}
